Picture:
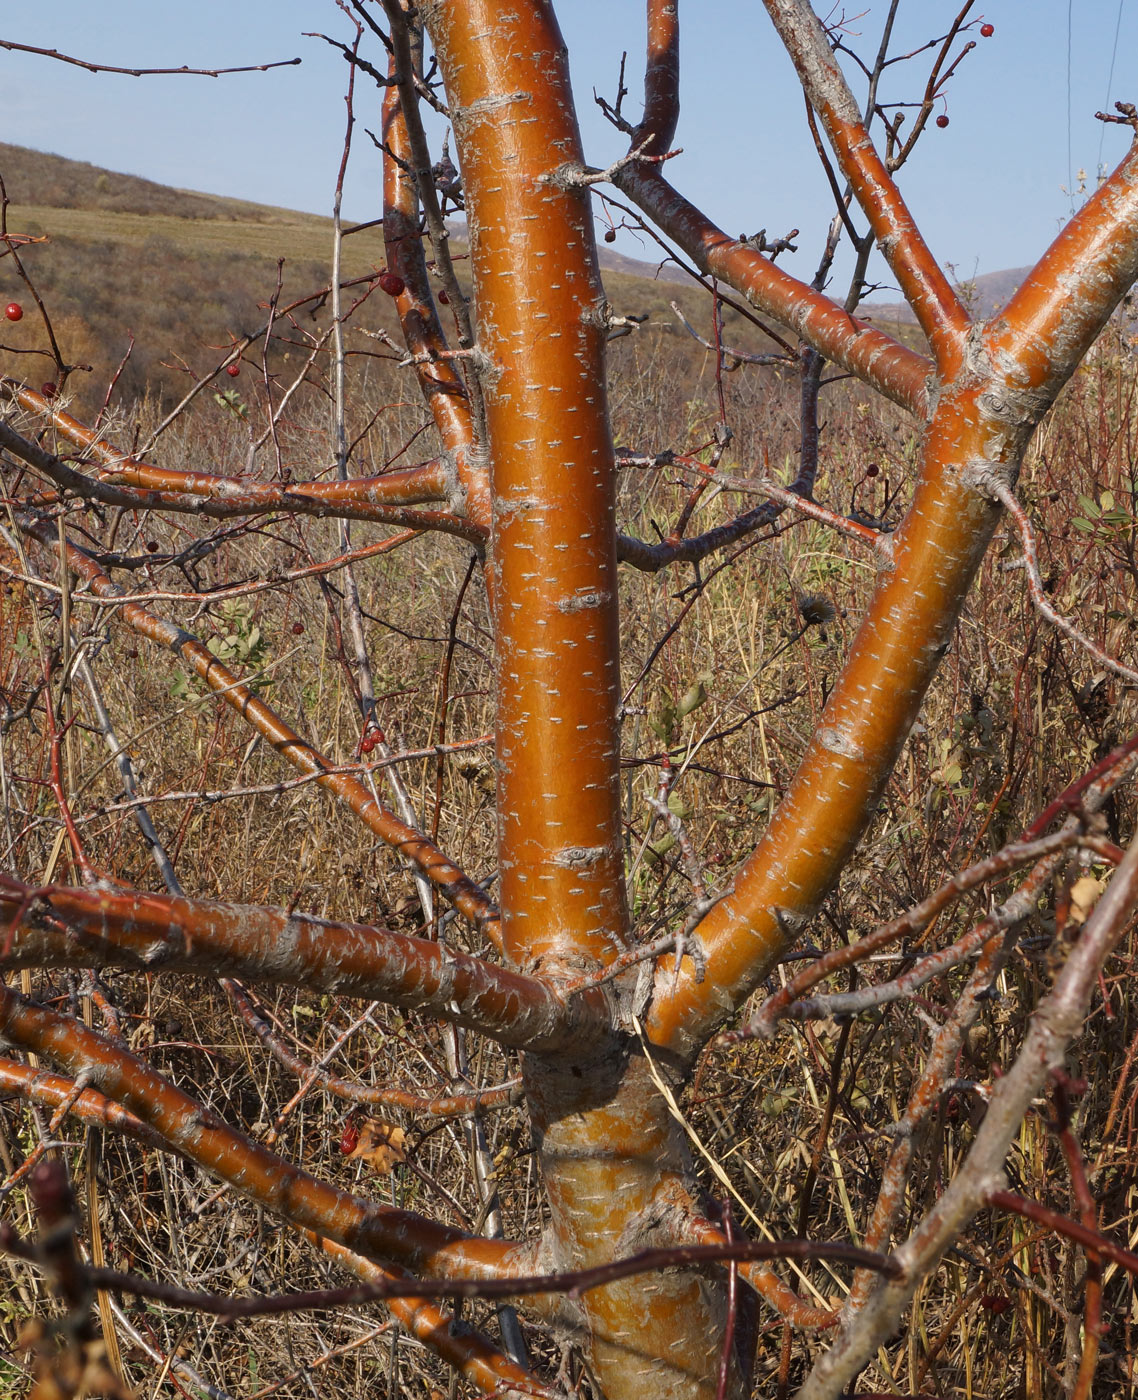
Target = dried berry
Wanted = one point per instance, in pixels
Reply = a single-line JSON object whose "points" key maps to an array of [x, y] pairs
{"points": [[942, 121], [233, 370], [392, 284], [297, 629], [50, 389]]}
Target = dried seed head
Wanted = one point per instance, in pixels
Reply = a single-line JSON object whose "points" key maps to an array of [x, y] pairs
{"points": [[816, 610]]}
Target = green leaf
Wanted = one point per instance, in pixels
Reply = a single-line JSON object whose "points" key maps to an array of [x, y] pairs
{"points": [[693, 698]]}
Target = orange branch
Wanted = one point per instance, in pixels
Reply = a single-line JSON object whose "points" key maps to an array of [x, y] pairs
{"points": [[928, 291], [452, 882], [423, 334], [57, 926], [280, 1187], [661, 80], [763, 1280], [362, 498], [882, 362], [95, 1109], [553, 570], [1063, 303], [468, 1352]]}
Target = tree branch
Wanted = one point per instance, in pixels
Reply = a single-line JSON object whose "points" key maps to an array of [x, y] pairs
{"points": [[56, 926]]}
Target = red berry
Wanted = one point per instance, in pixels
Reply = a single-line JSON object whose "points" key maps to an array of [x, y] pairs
{"points": [[444, 300], [50, 389], [987, 30], [610, 235], [369, 743], [392, 284], [14, 311], [349, 1138], [995, 1303], [233, 370], [942, 121], [298, 629]]}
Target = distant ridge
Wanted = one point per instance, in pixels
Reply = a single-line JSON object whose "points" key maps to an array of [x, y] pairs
{"points": [[981, 295], [42, 179]]}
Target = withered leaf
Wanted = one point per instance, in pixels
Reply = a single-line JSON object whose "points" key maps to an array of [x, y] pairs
{"points": [[381, 1145], [1084, 896]]}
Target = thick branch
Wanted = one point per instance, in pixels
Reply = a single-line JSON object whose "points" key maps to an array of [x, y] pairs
{"points": [[377, 1232], [661, 80], [62, 927], [467, 1351], [90, 1107], [976, 438], [927, 290], [380, 498], [542, 339], [870, 354], [1057, 313]]}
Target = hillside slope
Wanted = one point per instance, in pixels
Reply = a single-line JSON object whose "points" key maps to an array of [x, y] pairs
{"points": [[118, 259]]}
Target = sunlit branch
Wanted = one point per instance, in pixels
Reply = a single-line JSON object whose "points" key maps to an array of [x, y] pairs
{"points": [[926, 288], [62, 927], [763, 1280], [95, 1109], [278, 1185], [362, 498], [447, 877], [661, 79], [1061, 306], [470, 1353], [553, 482], [868, 353], [441, 386]]}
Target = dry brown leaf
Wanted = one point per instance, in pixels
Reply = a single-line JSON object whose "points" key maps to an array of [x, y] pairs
{"points": [[1085, 894], [380, 1145]]}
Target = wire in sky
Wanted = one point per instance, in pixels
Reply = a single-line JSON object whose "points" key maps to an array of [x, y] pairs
{"points": [[1109, 86], [1070, 162]]}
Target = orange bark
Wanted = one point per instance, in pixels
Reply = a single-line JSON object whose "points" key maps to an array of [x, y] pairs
{"points": [[374, 1231], [58, 927], [978, 432], [529, 476]]}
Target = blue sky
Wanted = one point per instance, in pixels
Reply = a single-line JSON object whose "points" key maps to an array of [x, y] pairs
{"points": [[988, 190]]}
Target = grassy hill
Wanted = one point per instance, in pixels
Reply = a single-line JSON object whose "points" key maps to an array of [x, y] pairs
{"points": [[183, 273]]}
